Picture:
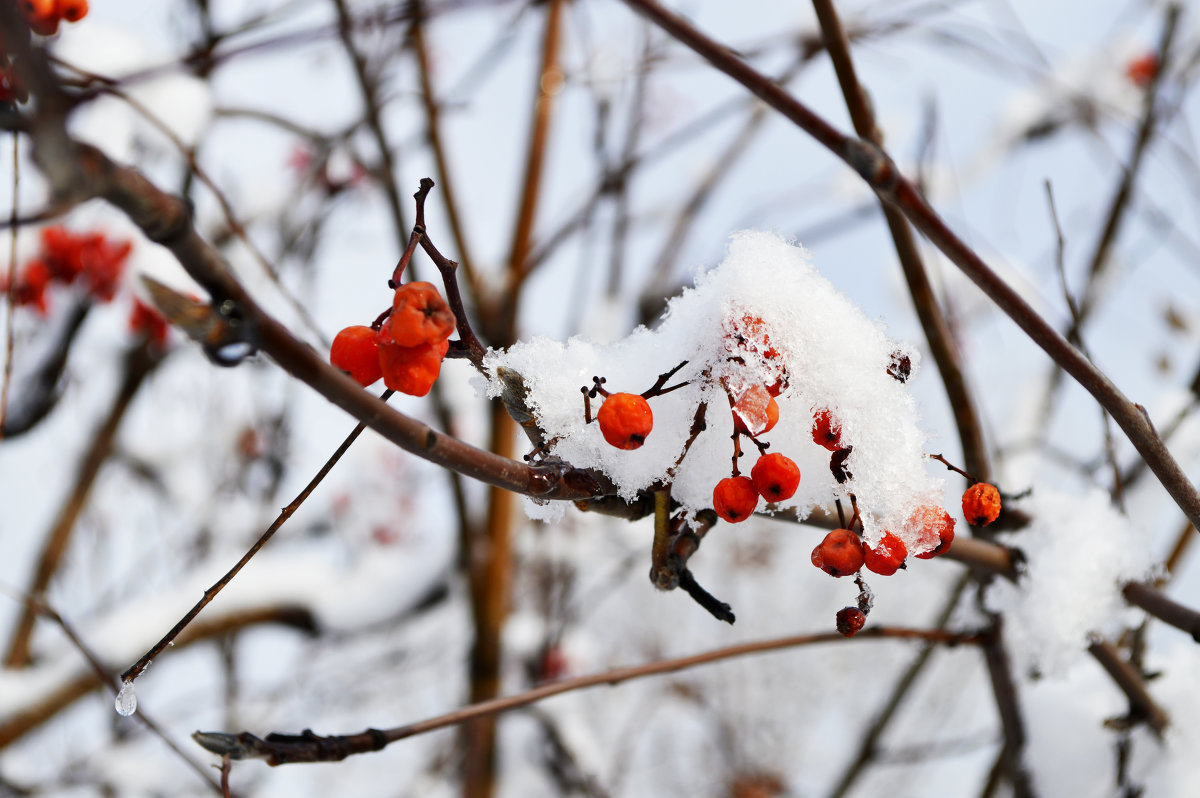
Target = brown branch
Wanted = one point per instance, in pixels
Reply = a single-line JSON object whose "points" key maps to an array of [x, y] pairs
{"points": [[11, 288], [1142, 705], [882, 175], [433, 134], [1004, 689], [140, 361], [287, 512], [279, 749], [933, 321], [369, 90]]}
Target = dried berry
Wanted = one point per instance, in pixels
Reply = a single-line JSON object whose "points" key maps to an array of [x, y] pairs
{"points": [[625, 420], [827, 431], [146, 322], [935, 528], [734, 499], [887, 557], [775, 477], [837, 464], [839, 554], [899, 366], [419, 316], [850, 620], [355, 351], [981, 504]]}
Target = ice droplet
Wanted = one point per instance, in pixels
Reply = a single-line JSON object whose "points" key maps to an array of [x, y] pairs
{"points": [[126, 703]]}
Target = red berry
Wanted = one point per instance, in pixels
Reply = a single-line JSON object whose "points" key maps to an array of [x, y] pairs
{"points": [[146, 322], [1142, 70], [734, 499], [850, 620], [71, 10], [827, 431], [839, 554], [625, 420], [775, 477], [355, 351], [935, 528], [411, 369], [419, 315], [756, 412], [981, 504], [886, 558]]}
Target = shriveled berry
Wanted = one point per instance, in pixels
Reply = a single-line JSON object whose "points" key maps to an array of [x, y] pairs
{"points": [[981, 504], [887, 557], [756, 412], [355, 351], [775, 477], [935, 529], [827, 431], [411, 369], [839, 554], [850, 620], [899, 366], [419, 315], [625, 420], [734, 499], [837, 465]]}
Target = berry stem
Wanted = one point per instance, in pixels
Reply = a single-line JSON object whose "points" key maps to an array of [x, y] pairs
{"points": [[970, 479], [657, 388], [841, 513], [286, 513], [717, 608]]}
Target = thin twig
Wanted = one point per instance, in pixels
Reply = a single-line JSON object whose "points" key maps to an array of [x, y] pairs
{"points": [[11, 287], [287, 512], [278, 749], [1141, 704], [933, 321]]}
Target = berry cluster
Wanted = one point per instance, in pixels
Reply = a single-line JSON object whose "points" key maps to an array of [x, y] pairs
{"points": [[405, 345], [67, 258], [43, 17]]}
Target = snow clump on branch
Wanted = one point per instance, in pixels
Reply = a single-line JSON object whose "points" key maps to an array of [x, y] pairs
{"points": [[763, 317]]}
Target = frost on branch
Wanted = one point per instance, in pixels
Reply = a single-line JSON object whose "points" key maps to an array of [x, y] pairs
{"points": [[1078, 552], [763, 315]]}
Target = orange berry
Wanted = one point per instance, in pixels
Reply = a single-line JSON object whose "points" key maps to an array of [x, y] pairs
{"points": [[734, 499], [419, 316], [71, 10], [355, 351], [625, 420], [933, 523], [44, 26], [411, 369], [775, 477], [886, 558], [145, 321], [981, 504], [827, 431], [839, 554], [38, 9], [756, 413], [1142, 70], [850, 620]]}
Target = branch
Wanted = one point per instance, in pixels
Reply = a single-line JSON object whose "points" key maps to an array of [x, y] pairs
{"points": [[279, 749]]}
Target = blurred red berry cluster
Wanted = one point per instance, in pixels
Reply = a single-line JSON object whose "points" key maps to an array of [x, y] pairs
{"points": [[89, 259]]}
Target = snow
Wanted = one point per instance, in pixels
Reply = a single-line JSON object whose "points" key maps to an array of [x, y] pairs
{"points": [[1078, 551], [765, 311]]}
